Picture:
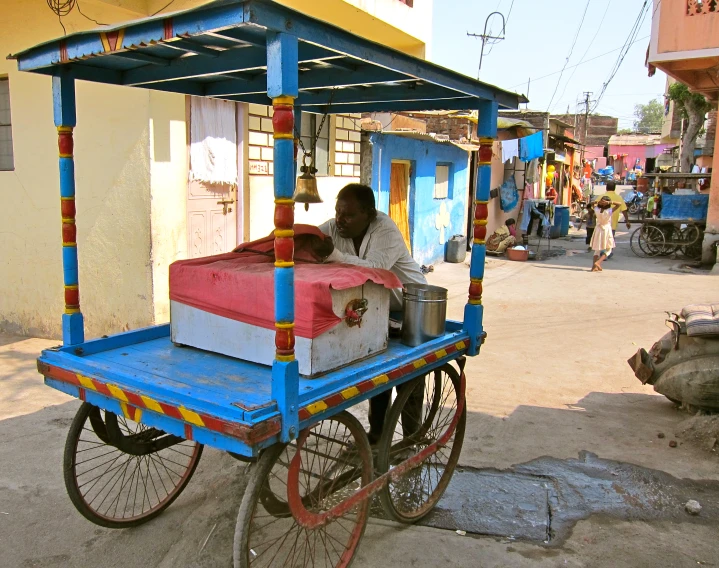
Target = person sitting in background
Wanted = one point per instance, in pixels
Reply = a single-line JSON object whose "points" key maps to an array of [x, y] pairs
{"points": [[551, 194], [502, 238]]}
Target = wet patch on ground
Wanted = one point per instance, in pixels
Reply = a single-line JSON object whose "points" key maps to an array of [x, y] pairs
{"points": [[543, 499]]}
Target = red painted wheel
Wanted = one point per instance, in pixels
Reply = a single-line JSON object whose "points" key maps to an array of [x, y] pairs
{"points": [[424, 412], [121, 474], [334, 460]]}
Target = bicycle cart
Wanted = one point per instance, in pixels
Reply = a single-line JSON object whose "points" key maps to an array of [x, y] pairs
{"points": [[680, 228], [149, 405]]}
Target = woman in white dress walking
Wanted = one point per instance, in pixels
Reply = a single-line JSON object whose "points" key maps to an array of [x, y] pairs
{"points": [[602, 239]]}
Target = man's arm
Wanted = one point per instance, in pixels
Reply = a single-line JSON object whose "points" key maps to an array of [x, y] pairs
{"points": [[386, 248]]}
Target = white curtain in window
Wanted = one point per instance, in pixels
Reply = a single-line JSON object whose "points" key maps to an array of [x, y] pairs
{"points": [[213, 141]]}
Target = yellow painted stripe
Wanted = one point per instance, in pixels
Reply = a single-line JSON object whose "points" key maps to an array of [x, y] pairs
{"points": [[151, 404], [284, 325], [284, 233], [69, 244], [350, 392], [419, 363], [131, 413], [86, 381], [316, 407], [283, 100], [117, 393], [478, 202], [64, 128], [72, 310], [478, 241], [283, 136], [382, 379], [480, 222], [476, 302], [64, 155], [460, 345], [284, 263], [284, 201], [285, 358], [191, 416], [441, 353]]}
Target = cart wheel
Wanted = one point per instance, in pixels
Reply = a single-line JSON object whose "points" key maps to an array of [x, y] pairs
{"points": [[634, 243], [334, 461], [420, 415], [121, 488], [691, 239], [651, 240]]}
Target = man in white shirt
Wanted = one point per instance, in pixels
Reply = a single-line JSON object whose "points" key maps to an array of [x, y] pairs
{"points": [[363, 236]]}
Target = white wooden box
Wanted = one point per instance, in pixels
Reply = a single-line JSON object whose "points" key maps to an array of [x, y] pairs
{"points": [[335, 348]]}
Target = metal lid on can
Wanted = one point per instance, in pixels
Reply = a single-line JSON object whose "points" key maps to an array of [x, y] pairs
{"points": [[424, 292]]}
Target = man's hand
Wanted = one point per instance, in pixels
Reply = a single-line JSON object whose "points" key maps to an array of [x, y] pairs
{"points": [[322, 248], [629, 225]]}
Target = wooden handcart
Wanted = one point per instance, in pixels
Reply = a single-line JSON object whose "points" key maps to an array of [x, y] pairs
{"points": [[150, 406]]}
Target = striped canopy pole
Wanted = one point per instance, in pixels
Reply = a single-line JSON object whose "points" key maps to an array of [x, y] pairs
{"points": [[63, 94], [474, 311], [282, 88]]}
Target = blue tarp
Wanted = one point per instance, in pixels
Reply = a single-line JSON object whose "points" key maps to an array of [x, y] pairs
{"points": [[531, 147], [689, 207]]}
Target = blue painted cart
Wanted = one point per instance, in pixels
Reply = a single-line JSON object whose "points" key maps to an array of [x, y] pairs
{"points": [[150, 406]]}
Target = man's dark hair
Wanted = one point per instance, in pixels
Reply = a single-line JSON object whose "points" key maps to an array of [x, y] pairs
{"points": [[363, 194], [611, 186]]}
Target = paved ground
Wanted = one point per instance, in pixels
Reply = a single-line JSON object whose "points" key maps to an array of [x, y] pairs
{"points": [[552, 380]]}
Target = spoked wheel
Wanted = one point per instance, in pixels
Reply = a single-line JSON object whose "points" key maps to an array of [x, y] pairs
{"points": [[119, 473], [634, 242], [422, 413], [651, 240], [327, 463], [691, 239]]}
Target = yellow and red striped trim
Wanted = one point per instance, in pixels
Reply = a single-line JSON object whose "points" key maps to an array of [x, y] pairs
{"points": [[133, 405], [338, 398]]}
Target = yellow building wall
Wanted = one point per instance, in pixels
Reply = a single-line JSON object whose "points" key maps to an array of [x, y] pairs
{"points": [[113, 166]]}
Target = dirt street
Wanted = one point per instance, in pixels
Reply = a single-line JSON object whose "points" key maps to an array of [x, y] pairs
{"points": [[552, 380]]}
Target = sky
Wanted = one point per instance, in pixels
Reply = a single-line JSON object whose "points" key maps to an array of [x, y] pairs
{"points": [[540, 36]]}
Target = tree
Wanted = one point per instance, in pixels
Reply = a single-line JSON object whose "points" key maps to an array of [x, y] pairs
{"points": [[649, 117], [693, 107]]}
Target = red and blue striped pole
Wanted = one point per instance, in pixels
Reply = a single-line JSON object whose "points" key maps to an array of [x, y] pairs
{"points": [[63, 91], [474, 311]]}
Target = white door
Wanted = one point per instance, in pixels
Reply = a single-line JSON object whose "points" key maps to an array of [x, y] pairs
{"points": [[214, 207]]}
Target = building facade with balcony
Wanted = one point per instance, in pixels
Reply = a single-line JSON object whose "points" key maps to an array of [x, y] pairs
{"points": [[685, 45]]}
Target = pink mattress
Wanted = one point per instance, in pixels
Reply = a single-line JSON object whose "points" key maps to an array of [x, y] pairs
{"points": [[240, 285]]}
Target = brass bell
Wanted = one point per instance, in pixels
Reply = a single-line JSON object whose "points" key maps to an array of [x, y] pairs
{"points": [[306, 187]]}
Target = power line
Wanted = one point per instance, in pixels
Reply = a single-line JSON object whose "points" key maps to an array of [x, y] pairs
{"points": [[578, 64], [163, 8], [591, 43], [571, 50], [625, 49]]}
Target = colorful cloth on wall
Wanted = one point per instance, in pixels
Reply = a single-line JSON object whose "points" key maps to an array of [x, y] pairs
{"points": [[510, 149], [531, 147], [508, 195]]}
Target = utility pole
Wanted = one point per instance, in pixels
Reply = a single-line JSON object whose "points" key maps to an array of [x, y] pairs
{"points": [[586, 123], [484, 36]]}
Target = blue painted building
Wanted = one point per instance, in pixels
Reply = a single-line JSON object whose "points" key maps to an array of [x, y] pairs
{"points": [[422, 184]]}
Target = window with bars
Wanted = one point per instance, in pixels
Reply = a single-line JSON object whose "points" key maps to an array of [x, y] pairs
{"points": [[7, 161], [321, 142]]}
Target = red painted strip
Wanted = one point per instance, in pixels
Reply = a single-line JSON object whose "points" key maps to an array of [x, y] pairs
{"points": [[334, 400], [304, 414], [167, 29], [365, 386], [188, 432], [134, 399], [102, 388], [82, 395], [407, 369], [450, 348], [431, 358], [58, 374], [170, 410], [395, 374]]}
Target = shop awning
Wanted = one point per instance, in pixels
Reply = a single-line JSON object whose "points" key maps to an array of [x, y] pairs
{"points": [[219, 50]]}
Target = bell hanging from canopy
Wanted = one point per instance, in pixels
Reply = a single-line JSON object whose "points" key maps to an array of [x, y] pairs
{"points": [[306, 187]]}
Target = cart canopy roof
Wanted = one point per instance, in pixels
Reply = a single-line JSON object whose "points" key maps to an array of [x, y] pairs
{"points": [[219, 50]]}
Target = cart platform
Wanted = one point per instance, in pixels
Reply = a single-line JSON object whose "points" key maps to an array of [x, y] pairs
{"points": [[220, 400]]}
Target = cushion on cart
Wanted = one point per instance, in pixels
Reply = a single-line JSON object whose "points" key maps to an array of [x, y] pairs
{"points": [[701, 319], [240, 285]]}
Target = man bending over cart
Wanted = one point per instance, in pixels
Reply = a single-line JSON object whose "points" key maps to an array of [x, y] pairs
{"points": [[363, 236]]}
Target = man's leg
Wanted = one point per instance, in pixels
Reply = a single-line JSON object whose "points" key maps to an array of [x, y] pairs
{"points": [[377, 411], [412, 412]]}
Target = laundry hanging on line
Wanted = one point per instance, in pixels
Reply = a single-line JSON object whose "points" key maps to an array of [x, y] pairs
{"points": [[510, 149], [531, 147]]}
